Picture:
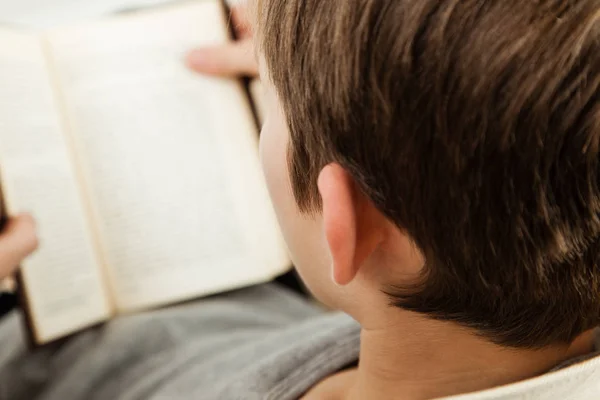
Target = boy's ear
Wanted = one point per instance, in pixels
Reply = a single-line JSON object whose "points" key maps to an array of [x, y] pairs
{"points": [[354, 228]]}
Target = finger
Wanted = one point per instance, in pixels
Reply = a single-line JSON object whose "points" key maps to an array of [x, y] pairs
{"points": [[241, 21], [17, 241], [232, 59]]}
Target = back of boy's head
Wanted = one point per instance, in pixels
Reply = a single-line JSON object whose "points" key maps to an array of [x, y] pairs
{"points": [[474, 125]]}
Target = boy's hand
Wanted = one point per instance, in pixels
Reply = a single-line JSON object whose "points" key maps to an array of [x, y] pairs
{"points": [[233, 59], [17, 240]]}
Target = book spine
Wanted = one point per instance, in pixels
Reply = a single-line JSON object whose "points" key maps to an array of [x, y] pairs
{"points": [[245, 80]]}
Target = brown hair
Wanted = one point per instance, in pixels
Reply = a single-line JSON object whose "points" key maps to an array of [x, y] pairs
{"points": [[474, 125]]}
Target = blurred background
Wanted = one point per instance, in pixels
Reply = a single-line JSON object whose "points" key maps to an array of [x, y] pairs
{"points": [[44, 14]]}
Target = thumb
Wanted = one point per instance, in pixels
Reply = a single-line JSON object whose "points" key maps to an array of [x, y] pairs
{"points": [[233, 59], [17, 241]]}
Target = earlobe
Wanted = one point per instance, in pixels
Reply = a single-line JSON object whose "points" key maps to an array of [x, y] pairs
{"points": [[348, 225]]}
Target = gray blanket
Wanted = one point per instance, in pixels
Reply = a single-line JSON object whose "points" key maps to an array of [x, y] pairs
{"points": [[259, 343]]}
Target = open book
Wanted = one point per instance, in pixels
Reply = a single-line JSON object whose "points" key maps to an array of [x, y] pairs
{"points": [[143, 177]]}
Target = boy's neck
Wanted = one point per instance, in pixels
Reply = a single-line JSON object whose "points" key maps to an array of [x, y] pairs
{"points": [[431, 359]]}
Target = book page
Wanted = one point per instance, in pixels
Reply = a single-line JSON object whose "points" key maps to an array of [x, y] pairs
{"points": [[171, 157], [63, 283]]}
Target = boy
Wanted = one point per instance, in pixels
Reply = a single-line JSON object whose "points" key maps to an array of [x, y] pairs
{"points": [[434, 167]]}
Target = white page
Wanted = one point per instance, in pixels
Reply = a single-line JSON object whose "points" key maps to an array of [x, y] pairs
{"points": [[171, 158], [63, 282]]}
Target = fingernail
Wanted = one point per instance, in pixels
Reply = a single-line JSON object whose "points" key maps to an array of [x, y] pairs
{"points": [[196, 58]]}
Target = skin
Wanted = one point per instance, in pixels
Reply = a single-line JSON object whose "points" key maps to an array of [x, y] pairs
{"points": [[18, 239], [345, 255]]}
